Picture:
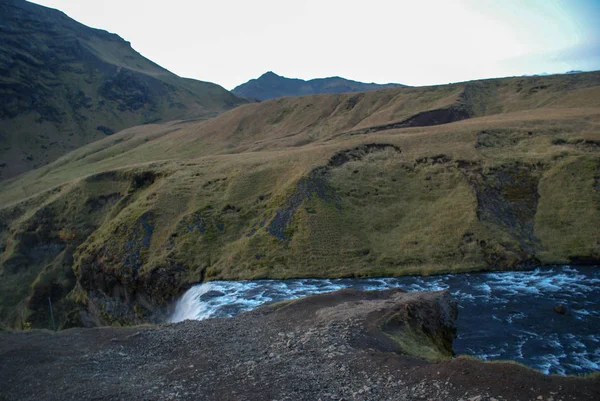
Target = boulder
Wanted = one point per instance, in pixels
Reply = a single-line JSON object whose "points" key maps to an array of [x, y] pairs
{"points": [[560, 308]]}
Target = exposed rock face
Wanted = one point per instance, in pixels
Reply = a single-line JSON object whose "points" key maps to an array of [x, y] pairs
{"points": [[331, 346], [423, 326], [270, 86]]}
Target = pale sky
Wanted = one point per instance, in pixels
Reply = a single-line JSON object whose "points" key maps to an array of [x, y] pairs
{"points": [[417, 42]]}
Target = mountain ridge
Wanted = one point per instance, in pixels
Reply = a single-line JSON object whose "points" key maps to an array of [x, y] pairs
{"points": [[63, 85], [270, 85]]}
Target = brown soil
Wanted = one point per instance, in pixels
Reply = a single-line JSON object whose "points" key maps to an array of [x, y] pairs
{"points": [[328, 347], [422, 119]]}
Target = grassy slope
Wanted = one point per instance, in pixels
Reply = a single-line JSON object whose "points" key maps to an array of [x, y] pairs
{"points": [[329, 185], [64, 85]]}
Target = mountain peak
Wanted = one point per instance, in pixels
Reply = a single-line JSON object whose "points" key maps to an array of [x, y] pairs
{"points": [[269, 74], [270, 85]]}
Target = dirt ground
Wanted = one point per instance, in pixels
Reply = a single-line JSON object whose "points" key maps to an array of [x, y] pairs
{"points": [[324, 347]]}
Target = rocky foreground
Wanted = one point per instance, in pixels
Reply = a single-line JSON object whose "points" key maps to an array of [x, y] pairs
{"points": [[346, 345]]}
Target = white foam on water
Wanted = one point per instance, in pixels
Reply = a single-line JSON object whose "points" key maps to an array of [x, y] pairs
{"points": [[486, 357], [549, 363], [515, 316], [485, 288], [531, 334], [189, 305], [499, 297], [580, 314], [586, 362], [463, 295], [554, 341], [519, 348], [569, 269]]}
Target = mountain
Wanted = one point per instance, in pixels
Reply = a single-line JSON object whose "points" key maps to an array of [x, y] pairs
{"points": [[63, 85], [271, 85], [483, 175]]}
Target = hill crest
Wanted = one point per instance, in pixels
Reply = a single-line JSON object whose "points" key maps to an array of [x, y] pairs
{"points": [[271, 85]]}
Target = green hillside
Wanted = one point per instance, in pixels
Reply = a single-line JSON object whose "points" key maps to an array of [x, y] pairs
{"points": [[64, 85], [484, 175]]}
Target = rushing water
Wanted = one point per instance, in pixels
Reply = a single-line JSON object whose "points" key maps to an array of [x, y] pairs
{"points": [[505, 315]]}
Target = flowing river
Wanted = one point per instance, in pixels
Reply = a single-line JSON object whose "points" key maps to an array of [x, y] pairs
{"points": [[506, 315]]}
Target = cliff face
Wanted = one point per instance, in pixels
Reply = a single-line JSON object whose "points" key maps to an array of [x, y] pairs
{"points": [[270, 86], [344, 345], [63, 85], [486, 175]]}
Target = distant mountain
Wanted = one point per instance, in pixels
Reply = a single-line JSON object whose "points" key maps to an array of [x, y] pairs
{"points": [[63, 85], [545, 74], [271, 85]]}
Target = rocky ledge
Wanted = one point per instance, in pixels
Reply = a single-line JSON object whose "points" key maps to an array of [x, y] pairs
{"points": [[346, 345]]}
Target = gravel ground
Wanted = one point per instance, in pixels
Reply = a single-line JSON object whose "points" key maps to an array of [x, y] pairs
{"points": [[324, 347]]}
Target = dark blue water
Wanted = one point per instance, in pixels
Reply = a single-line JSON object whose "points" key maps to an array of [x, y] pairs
{"points": [[505, 315]]}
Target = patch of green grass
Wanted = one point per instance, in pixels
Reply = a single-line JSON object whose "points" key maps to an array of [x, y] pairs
{"points": [[496, 361], [413, 341], [568, 213]]}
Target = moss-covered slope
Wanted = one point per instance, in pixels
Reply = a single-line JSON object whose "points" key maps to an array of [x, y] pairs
{"points": [[308, 187]]}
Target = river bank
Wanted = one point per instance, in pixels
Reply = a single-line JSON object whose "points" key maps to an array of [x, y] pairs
{"points": [[347, 345], [502, 315]]}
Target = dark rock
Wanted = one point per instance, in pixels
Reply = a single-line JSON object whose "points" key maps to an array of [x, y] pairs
{"points": [[507, 198], [207, 296], [423, 119], [561, 309], [105, 130]]}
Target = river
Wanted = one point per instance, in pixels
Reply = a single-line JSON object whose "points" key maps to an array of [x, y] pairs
{"points": [[502, 315]]}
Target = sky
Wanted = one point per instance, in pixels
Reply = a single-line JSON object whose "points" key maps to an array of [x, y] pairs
{"points": [[416, 42]]}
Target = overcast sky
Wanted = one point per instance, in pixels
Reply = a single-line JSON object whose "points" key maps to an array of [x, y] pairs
{"points": [[416, 42]]}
